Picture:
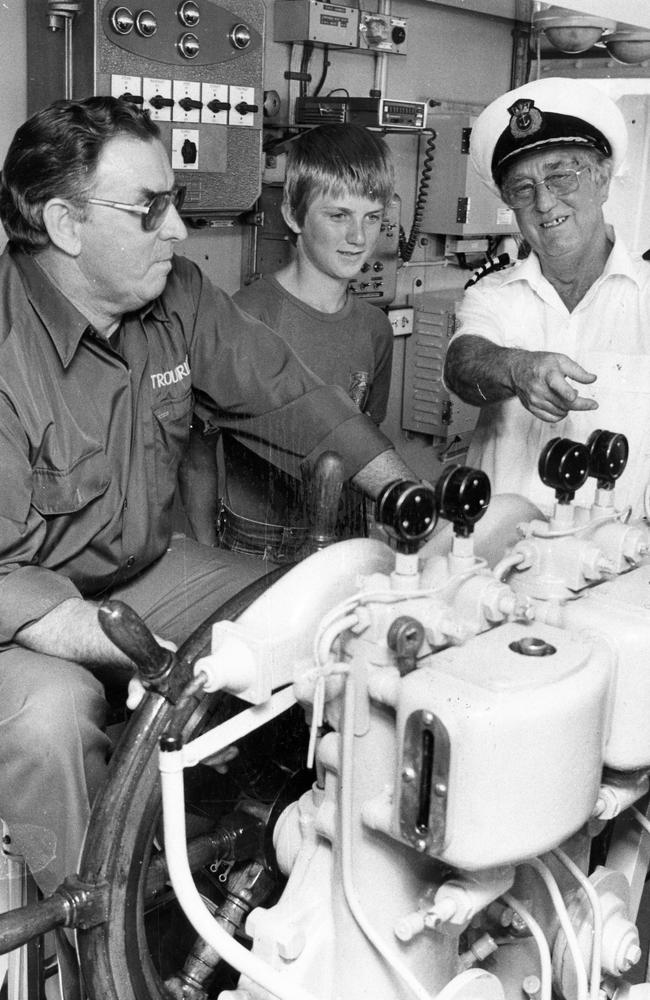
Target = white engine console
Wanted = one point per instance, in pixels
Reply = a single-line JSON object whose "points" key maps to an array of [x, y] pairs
{"points": [[474, 728]]}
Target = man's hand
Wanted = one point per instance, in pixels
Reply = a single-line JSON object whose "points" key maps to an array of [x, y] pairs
{"points": [[136, 690], [539, 379]]}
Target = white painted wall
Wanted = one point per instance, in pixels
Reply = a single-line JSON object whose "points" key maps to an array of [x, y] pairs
{"points": [[13, 76]]}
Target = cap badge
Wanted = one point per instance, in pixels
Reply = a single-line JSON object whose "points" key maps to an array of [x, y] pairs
{"points": [[525, 118]]}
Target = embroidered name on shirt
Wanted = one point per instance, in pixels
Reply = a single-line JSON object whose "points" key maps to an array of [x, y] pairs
{"points": [[177, 374]]}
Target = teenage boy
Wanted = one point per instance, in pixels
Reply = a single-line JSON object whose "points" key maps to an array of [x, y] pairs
{"points": [[339, 181]]}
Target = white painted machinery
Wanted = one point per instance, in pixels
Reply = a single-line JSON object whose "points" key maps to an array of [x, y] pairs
{"points": [[458, 804], [473, 728]]}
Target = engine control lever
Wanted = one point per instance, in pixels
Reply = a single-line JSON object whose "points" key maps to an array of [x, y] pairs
{"points": [[130, 634], [323, 494]]}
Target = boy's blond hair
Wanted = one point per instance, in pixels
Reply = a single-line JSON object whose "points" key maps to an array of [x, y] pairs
{"points": [[337, 159]]}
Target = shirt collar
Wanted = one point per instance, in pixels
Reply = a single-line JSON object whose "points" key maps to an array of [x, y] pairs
{"points": [[618, 262], [63, 321]]}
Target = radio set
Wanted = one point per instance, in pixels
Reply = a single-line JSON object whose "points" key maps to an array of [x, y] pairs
{"points": [[372, 112]]}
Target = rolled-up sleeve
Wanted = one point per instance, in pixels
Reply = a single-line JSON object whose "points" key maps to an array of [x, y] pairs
{"points": [[249, 381]]}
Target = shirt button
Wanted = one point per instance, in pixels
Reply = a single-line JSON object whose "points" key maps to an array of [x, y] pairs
{"points": [[130, 561]]}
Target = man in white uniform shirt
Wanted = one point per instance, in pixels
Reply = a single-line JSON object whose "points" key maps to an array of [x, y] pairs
{"points": [[557, 345]]}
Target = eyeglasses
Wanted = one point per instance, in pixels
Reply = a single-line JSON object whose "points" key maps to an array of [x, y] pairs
{"points": [[152, 214], [522, 195]]}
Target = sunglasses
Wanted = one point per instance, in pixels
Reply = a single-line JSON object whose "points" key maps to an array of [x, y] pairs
{"points": [[153, 214]]}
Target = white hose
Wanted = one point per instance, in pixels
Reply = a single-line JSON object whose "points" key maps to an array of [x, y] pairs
{"points": [[641, 819], [565, 922], [594, 900], [508, 562], [546, 972], [388, 596], [173, 799]]}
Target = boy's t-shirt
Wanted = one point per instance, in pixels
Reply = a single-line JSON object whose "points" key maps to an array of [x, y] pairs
{"points": [[352, 348]]}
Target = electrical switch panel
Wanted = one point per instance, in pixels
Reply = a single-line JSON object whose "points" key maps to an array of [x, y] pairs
{"points": [[195, 66], [377, 280], [382, 33]]}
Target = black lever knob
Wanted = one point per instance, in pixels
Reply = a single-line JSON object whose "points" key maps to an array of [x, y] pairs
{"points": [[243, 108], [158, 102], [608, 454], [216, 106], [130, 634], [462, 497], [407, 510], [189, 104], [564, 466]]}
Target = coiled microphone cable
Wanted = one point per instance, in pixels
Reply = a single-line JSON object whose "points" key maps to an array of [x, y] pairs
{"points": [[407, 246]]}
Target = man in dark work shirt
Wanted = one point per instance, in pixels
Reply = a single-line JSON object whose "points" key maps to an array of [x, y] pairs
{"points": [[107, 342]]}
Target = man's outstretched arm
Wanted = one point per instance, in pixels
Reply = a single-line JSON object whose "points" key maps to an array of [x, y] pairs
{"points": [[481, 372]]}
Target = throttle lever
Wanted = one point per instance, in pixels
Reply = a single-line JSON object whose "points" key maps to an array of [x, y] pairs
{"points": [[323, 493], [130, 634]]}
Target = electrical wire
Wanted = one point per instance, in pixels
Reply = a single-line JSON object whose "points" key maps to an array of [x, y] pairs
{"points": [[305, 78], [641, 819], [565, 922], [407, 246], [645, 824], [323, 76], [546, 972], [594, 901], [646, 502]]}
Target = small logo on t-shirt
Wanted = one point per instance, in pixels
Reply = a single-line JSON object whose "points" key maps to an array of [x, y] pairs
{"points": [[359, 388]]}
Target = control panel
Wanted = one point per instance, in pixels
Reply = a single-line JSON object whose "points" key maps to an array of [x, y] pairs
{"points": [[339, 26], [377, 280], [194, 65], [382, 33], [314, 21], [373, 112]]}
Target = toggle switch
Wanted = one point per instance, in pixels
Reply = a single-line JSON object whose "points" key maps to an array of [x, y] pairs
{"points": [[216, 103], [158, 102], [245, 109], [189, 151], [185, 149], [158, 98], [216, 106], [189, 104]]}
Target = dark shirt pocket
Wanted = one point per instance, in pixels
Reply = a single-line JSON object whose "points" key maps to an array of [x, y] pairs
{"points": [[64, 491], [172, 430]]}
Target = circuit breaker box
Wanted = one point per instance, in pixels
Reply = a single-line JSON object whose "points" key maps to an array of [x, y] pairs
{"points": [[196, 68], [427, 407], [458, 203], [377, 280]]}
